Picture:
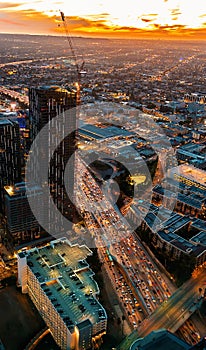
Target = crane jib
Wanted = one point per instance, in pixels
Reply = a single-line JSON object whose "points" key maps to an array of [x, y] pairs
{"points": [[62, 16]]}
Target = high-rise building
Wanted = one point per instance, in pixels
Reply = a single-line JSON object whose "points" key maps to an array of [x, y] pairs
{"points": [[60, 283], [52, 113], [10, 158], [22, 226]]}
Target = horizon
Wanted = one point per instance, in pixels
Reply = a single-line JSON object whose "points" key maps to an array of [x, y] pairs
{"points": [[193, 39]]}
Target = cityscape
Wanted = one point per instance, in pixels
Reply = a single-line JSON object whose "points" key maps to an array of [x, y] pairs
{"points": [[102, 188]]}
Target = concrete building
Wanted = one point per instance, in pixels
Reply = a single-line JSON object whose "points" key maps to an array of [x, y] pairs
{"points": [[10, 161], [175, 234], [45, 104], [61, 285], [160, 340], [189, 175], [199, 97], [187, 202], [193, 153], [22, 226], [185, 189]]}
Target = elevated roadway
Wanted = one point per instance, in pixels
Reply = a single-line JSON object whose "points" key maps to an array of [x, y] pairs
{"points": [[141, 272], [173, 313]]}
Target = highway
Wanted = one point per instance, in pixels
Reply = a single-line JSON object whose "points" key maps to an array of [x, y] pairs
{"points": [[149, 299], [139, 284], [189, 333], [178, 308], [17, 63]]}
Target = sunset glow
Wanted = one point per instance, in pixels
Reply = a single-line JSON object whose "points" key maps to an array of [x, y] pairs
{"points": [[148, 18]]}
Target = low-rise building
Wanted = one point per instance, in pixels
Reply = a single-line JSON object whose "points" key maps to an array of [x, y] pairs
{"points": [[174, 234]]}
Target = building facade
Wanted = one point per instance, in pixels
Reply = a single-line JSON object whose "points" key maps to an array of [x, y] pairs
{"points": [[176, 235], [10, 159], [61, 285], [47, 104], [22, 226]]}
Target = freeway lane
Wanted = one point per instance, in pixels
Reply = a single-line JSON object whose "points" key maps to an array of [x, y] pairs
{"points": [[167, 315], [141, 279], [142, 273]]}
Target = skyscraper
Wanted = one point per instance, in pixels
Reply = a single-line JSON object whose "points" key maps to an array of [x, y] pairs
{"points": [[22, 226], [10, 159], [52, 113]]}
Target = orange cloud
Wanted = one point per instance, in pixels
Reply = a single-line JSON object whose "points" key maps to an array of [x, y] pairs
{"points": [[146, 20], [26, 21], [8, 5], [35, 22], [10, 22], [149, 17], [179, 31], [175, 13], [85, 26]]}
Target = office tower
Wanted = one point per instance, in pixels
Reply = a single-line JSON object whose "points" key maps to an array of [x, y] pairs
{"points": [[10, 159], [22, 226], [52, 113], [61, 285]]}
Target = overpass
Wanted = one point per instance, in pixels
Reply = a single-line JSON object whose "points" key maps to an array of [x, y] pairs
{"points": [[173, 313]]}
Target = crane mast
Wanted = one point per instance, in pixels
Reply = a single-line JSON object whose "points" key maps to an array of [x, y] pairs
{"points": [[79, 69]]}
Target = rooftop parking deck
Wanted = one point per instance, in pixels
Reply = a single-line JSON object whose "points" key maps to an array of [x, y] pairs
{"points": [[67, 280]]}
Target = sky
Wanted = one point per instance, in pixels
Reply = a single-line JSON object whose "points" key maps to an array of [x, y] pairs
{"points": [[107, 18]]}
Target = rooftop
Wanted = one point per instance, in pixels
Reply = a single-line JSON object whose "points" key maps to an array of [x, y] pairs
{"points": [[55, 88], [189, 172], [199, 224], [199, 238], [103, 132], [193, 199], [67, 280], [185, 188], [160, 340], [5, 121], [182, 244], [21, 189]]}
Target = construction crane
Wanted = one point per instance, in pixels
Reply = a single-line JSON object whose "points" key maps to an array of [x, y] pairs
{"points": [[79, 68]]}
